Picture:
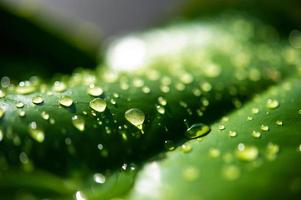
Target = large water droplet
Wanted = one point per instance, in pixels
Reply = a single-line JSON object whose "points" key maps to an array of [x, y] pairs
{"points": [[197, 130], [135, 116], [66, 101], [99, 105], [78, 122]]}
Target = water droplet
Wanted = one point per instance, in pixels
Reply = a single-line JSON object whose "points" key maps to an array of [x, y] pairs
{"points": [[232, 133], [255, 110], [25, 87], [135, 116], [197, 130], [272, 103], [272, 151], [78, 122], [99, 178], [79, 196], [45, 115], [2, 112], [221, 127], [246, 153], [146, 90], [22, 113], [59, 86], [162, 101], [36, 133], [19, 104], [231, 172], [169, 145], [256, 134], [279, 123], [186, 148], [66, 101], [160, 109], [264, 127], [37, 100], [94, 91], [99, 105]]}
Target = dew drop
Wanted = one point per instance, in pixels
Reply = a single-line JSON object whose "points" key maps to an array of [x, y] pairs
{"points": [[99, 178], [135, 116], [221, 127], [190, 174], [186, 148], [45, 115], [66, 101], [214, 152], [246, 153], [255, 110], [22, 113], [272, 104], [78, 122], [232, 133], [25, 87], [256, 134], [264, 127], [94, 91], [99, 105], [59, 86], [36, 133], [162, 101], [197, 130], [169, 145], [37, 100], [19, 104], [279, 123], [272, 151], [160, 109]]}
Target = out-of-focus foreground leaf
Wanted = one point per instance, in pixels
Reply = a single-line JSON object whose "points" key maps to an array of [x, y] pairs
{"points": [[30, 46]]}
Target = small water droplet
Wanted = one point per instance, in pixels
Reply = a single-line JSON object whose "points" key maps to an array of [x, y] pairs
{"points": [[36, 133], [197, 130], [162, 101], [246, 153], [264, 127], [255, 110], [186, 148], [221, 127], [78, 122], [99, 105], [66, 101], [99, 178], [19, 104], [94, 91], [169, 145], [22, 113], [45, 115], [272, 151], [256, 134], [25, 87], [279, 123], [59, 86], [160, 109], [135, 116], [232, 133], [272, 103], [214, 152], [37, 100]]}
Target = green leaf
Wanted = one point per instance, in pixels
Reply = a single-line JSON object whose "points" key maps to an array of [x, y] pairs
{"points": [[110, 123]]}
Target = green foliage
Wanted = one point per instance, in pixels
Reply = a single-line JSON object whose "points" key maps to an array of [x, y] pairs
{"points": [[90, 134]]}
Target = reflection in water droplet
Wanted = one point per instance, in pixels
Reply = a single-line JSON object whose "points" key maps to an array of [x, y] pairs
{"points": [[197, 130], [78, 122], [99, 105]]}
